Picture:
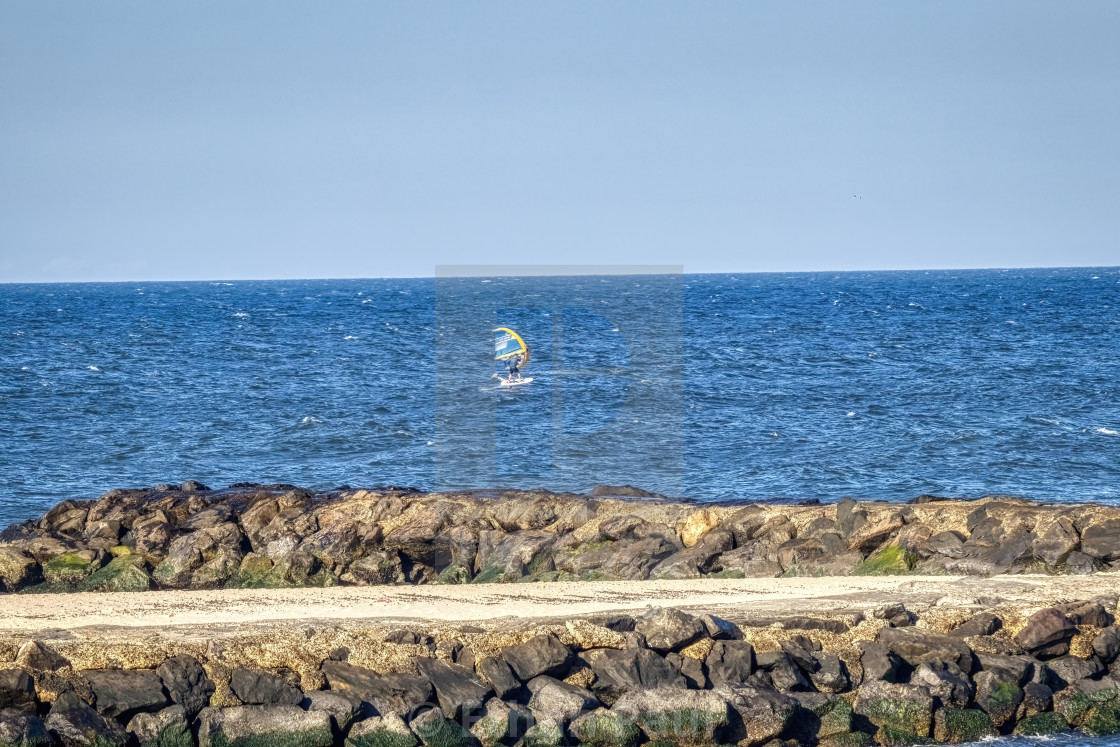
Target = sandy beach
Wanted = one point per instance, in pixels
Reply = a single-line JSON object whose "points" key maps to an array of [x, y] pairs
{"points": [[503, 604]]}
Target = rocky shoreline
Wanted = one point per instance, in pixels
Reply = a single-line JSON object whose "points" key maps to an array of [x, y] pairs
{"points": [[662, 677], [274, 536], [952, 669]]}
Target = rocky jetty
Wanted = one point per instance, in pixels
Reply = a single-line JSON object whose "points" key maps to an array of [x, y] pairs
{"points": [[664, 677], [270, 536]]}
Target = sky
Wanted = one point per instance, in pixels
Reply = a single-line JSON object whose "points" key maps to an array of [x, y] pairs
{"points": [[209, 139]]}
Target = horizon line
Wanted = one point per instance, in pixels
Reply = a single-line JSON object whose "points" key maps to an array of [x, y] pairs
{"points": [[635, 270]]}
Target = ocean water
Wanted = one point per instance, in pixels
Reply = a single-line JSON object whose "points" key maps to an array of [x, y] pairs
{"points": [[878, 385]]}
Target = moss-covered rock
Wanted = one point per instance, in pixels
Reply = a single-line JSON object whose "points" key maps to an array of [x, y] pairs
{"points": [[389, 730], [1101, 720], [889, 561], [890, 736], [166, 728], [70, 568], [850, 739], [453, 574], [122, 573], [682, 717], [264, 726], [900, 709], [1042, 725], [543, 734], [436, 730], [602, 728], [960, 725]]}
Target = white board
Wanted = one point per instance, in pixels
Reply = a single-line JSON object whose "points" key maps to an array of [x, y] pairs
{"points": [[516, 382]]}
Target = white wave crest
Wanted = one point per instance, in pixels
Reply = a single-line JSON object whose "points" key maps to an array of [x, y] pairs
{"points": [[1107, 432]]}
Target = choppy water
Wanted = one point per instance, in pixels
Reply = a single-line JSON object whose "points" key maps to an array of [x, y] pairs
{"points": [[883, 385]]}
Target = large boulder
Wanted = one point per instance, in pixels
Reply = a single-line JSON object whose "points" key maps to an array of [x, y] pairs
{"points": [[668, 629], [917, 647], [17, 569], [1057, 542], [558, 701], [1106, 644], [17, 690], [542, 654], [459, 690], [900, 711], [254, 686], [377, 567], [499, 721], [998, 696], [124, 573], [878, 663], [434, 729], [166, 728], [75, 724], [122, 693], [696, 560], [18, 729], [186, 683], [1047, 633], [603, 728], [620, 671], [509, 557], [342, 707], [782, 671], [755, 715], [496, 672], [381, 731], [682, 717], [249, 726], [960, 725], [945, 681], [730, 662], [1102, 540], [388, 693]]}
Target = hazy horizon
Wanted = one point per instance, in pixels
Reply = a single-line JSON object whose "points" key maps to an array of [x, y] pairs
{"points": [[563, 274]]}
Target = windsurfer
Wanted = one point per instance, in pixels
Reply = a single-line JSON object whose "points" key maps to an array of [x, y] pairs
{"points": [[515, 367]]}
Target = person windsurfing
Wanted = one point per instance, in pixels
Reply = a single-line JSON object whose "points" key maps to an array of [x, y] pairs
{"points": [[515, 368], [511, 350]]}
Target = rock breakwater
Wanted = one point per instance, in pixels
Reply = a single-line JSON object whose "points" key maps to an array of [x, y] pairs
{"points": [[663, 677], [271, 536]]}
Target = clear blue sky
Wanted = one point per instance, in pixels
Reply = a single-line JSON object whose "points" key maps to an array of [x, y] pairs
{"points": [[217, 139]]}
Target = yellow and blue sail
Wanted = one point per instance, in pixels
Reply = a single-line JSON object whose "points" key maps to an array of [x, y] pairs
{"points": [[508, 343]]}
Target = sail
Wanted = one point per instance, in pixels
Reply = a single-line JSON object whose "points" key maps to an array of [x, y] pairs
{"points": [[508, 343]]}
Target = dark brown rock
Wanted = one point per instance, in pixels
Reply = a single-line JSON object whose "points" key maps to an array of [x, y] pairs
{"points": [[542, 654], [17, 690], [1047, 631], [619, 672], [388, 693], [459, 690], [1102, 540], [730, 662], [257, 687], [122, 693], [917, 647], [669, 629]]}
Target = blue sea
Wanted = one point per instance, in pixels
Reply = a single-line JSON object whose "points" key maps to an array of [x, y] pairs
{"points": [[881, 385]]}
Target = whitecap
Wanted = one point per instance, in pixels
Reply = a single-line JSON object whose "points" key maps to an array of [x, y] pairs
{"points": [[350, 337], [25, 368], [367, 300], [850, 415], [241, 314], [487, 281], [1107, 432], [310, 419], [93, 368]]}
